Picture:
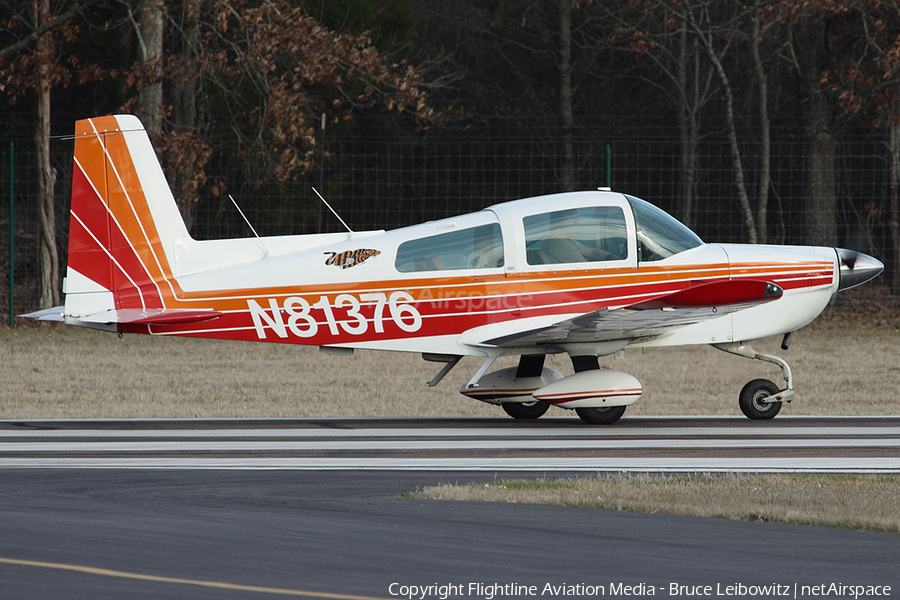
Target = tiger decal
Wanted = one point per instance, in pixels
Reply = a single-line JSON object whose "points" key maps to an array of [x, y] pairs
{"points": [[350, 258]]}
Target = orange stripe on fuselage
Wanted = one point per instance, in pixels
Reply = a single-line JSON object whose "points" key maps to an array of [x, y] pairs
{"points": [[617, 282]]}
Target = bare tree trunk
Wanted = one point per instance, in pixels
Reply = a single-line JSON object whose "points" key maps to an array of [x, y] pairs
{"points": [[893, 255], [820, 201], [150, 47], [743, 198], [50, 293], [184, 92], [762, 194], [687, 126], [565, 94]]}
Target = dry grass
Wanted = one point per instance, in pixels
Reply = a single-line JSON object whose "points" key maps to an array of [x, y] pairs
{"points": [[859, 502], [66, 372]]}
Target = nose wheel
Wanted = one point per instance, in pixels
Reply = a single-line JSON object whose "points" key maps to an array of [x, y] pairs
{"points": [[761, 399], [754, 400]]}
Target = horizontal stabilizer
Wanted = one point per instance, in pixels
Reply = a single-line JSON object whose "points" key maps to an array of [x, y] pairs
{"points": [[57, 313], [153, 316]]}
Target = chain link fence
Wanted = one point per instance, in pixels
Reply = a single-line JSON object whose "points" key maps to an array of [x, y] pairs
{"points": [[383, 176]]}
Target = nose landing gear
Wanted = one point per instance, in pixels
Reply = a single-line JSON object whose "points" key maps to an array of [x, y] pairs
{"points": [[761, 399]]}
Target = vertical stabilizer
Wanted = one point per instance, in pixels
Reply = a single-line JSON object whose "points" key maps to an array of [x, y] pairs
{"points": [[123, 226]]}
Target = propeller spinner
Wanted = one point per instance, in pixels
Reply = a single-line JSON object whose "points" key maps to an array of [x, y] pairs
{"points": [[857, 268]]}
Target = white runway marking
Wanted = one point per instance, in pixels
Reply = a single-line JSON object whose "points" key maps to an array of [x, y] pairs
{"points": [[319, 432], [480, 444], [841, 445], [538, 464]]}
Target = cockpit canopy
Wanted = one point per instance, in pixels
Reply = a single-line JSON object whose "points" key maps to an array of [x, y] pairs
{"points": [[564, 229]]}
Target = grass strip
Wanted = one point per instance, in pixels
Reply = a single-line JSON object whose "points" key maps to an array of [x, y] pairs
{"points": [[61, 372], [856, 502]]}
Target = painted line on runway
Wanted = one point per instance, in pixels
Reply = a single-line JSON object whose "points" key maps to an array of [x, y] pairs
{"points": [[177, 580], [756, 449], [454, 432], [873, 465], [354, 446]]}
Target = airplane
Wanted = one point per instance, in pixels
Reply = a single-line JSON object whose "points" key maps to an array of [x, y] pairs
{"points": [[586, 273]]}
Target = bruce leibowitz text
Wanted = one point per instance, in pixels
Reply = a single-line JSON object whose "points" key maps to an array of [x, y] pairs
{"points": [[493, 591]]}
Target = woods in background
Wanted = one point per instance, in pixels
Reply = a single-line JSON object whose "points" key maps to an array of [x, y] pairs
{"points": [[490, 100]]}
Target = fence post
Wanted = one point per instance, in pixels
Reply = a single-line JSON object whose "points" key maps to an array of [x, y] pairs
{"points": [[321, 178], [12, 224], [608, 155]]}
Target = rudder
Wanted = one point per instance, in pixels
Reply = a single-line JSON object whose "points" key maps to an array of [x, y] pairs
{"points": [[123, 222]]}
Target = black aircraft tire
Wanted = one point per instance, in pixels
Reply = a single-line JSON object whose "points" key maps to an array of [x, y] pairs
{"points": [[601, 416], [525, 410], [751, 396]]}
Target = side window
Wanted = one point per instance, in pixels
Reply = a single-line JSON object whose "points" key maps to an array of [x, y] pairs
{"points": [[595, 233], [475, 248]]}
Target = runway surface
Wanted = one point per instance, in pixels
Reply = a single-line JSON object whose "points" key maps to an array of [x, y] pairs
{"points": [[835, 444], [314, 508]]}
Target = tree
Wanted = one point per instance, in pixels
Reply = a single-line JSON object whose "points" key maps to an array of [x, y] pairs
{"points": [[272, 66], [149, 29], [699, 22], [567, 179], [810, 26], [650, 30], [278, 69], [865, 80], [44, 80], [765, 167], [29, 64], [169, 115]]}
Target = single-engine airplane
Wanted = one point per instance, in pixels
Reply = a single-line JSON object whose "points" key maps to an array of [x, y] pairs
{"points": [[586, 273]]}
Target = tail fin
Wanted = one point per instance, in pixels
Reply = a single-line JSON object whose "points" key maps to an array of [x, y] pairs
{"points": [[123, 228]]}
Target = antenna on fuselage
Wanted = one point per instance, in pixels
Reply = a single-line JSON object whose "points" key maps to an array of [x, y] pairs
{"points": [[247, 221], [332, 210]]}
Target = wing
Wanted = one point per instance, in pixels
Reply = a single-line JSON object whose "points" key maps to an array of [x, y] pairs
{"points": [[650, 318]]}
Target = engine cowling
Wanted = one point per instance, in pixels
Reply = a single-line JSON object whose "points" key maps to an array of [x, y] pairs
{"points": [[591, 389], [503, 386]]}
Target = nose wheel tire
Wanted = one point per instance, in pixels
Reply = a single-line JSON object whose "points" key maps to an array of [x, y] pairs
{"points": [[525, 410], [753, 400], [601, 416]]}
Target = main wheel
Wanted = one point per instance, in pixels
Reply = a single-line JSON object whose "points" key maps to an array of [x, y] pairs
{"points": [[525, 410], [753, 403], [601, 416]]}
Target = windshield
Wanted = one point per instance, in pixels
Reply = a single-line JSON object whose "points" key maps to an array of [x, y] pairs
{"points": [[659, 234]]}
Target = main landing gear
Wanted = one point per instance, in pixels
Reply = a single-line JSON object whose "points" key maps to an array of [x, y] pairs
{"points": [[529, 366], [599, 397], [761, 399], [600, 415]]}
